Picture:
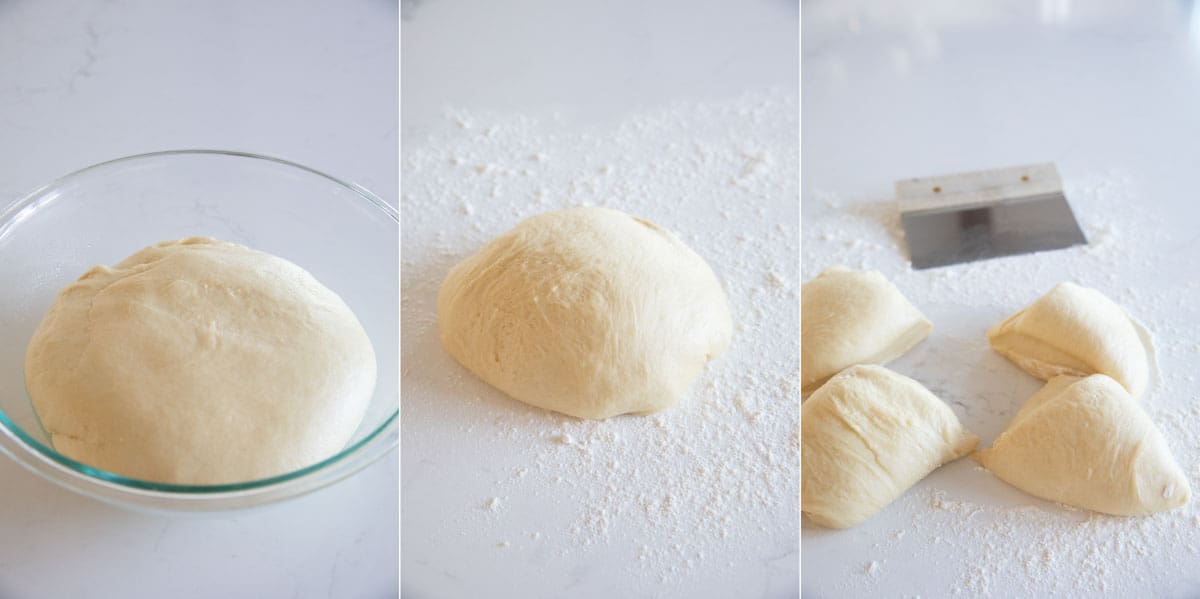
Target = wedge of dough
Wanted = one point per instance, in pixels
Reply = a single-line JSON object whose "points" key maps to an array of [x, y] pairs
{"points": [[1077, 331], [866, 437], [849, 317], [1086, 442]]}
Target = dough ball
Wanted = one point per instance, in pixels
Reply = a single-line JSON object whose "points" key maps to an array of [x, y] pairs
{"points": [[199, 362], [1077, 331], [586, 311], [866, 437], [849, 317], [1086, 442]]}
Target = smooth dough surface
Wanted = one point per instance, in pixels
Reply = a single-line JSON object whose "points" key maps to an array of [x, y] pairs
{"points": [[1076, 331], [867, 436], [199, 361], [1086, 442], [586, 311], [849, 317]]}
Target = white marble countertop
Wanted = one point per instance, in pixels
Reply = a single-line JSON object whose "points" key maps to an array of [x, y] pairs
{"points": [[587, 67], [1107, 90], [83, 82]]}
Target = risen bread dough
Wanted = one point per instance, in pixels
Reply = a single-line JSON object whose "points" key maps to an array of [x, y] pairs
{"points": [[866, 437], [586, 311], [1087, 443], [1077, 331], [199, 362], [849, 317]]}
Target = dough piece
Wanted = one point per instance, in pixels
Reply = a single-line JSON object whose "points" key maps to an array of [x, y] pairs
{"points": [[849, 317], [586, 311], [199, 362], [1077, 331], [1086, 442], [866, 437]]}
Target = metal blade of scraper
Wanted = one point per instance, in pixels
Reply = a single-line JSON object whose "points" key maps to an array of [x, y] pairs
{"points": [[986, 214]]}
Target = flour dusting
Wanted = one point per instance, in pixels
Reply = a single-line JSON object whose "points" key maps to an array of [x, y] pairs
{"points": [[673, 500], [967, 532]]}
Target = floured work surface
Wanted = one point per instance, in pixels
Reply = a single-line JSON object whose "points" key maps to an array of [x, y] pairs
{"points": [[962, 532], [696, 501]]}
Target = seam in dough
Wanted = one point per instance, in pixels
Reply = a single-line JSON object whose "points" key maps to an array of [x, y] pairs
{"points": [[1074, 330], [867, 436]]}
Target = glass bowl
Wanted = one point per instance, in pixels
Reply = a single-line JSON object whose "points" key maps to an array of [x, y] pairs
{"points": [[341, 233]]}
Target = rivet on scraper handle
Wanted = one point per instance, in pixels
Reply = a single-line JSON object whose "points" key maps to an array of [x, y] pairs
{"points": [[986, 214]]}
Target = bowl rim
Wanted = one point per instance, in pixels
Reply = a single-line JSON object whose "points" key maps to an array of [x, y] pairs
{"points": [[19, 204], [20, 446]]}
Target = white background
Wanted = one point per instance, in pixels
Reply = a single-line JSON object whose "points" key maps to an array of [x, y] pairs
{"points": [[595, 60], [312, 82]]}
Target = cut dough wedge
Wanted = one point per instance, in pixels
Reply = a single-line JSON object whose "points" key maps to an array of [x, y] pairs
{"points": [[866, 437], [1077, 331], [849, 317], [1087, 443]]}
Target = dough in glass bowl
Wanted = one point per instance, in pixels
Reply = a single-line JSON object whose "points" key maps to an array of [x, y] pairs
{"points": [[199, 362]]}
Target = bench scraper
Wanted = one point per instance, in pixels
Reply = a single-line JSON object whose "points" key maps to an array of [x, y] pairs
{"points": [[986, 214]]}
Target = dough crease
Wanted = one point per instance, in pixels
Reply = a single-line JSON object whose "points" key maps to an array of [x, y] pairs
{"points": [[1074, 330], [867, 436]]}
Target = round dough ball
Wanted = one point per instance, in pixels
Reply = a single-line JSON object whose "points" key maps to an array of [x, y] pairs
{"points": [[586, 311], [199, 362]]}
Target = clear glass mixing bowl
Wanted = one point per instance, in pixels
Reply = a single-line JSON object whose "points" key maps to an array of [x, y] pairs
{"points": [[338, 231]]}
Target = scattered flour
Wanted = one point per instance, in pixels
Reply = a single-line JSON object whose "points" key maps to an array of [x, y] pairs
{"points": [[679, 502], [962, 532]]}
